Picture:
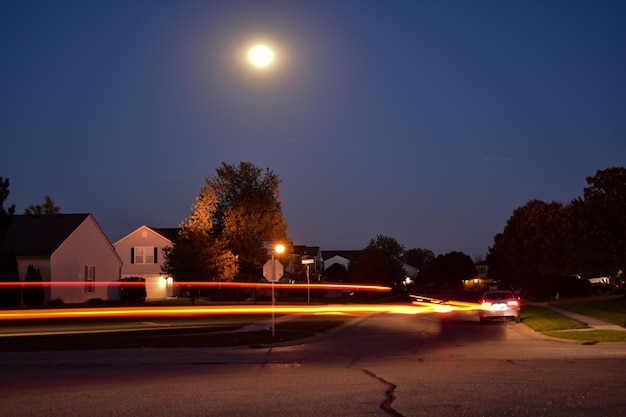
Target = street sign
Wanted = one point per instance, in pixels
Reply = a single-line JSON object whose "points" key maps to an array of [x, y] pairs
{"points": [[276, 274]]}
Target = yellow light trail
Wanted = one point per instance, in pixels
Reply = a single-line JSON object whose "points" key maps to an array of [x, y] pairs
{"points": [[178, 311]]}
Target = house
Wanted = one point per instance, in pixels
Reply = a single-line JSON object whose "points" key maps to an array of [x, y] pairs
{"points": [[141, 252], [70, 250], [481, 280], [341, 257], [311, 256]]}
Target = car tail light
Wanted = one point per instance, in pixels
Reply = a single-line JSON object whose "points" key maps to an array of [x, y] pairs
{"points": [[512, 302]]}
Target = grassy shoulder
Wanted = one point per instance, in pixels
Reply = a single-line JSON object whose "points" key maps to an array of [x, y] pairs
{"points": [[555, 325], [611, 309], [284, 331]]}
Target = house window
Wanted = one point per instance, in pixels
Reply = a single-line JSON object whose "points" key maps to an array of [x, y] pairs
{"points": [[143, 255], [90, 278]]}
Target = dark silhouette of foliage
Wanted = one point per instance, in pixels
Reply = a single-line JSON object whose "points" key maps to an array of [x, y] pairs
{"points": [[545, 244], [380, 263], [48, 207], [9, 296], [336, 273], [6, 215], [9, 273], [447, 271], [418, 257], [33, 295]]}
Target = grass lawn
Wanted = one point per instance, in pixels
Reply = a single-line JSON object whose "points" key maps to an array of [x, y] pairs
{"points": [[293, 329], [611, 309]]}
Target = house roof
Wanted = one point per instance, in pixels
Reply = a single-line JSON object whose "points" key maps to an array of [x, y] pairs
{"points": [[350, 255], [311, 251], [170, 233], [40, 235]]}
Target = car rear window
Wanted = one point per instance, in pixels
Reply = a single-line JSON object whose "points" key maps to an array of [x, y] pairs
{"points": [[501, 295]]}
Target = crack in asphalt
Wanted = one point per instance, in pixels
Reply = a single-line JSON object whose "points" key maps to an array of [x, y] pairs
{"points": [[390, 395]]}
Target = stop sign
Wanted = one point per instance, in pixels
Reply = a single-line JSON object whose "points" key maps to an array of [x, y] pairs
{"points": [[279, 270]]}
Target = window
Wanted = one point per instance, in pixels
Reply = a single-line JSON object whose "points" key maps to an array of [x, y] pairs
{"points": [[143, 255], [90, 278]]}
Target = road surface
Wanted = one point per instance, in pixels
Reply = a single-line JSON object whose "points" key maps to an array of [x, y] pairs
{"points": [[381, 365]]}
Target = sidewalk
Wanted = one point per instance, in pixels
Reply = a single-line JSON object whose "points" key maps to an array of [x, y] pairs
{"points": [[593, 323]]}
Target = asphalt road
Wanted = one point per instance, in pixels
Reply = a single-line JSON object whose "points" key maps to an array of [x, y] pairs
{"points": [[381, 365]]}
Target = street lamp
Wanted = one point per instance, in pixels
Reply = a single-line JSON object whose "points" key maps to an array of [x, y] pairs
{"points": [[270, 271]]}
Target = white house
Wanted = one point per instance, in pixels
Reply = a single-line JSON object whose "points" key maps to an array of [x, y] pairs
{"points": [[141, 252], [66, 248], [341, 257]]}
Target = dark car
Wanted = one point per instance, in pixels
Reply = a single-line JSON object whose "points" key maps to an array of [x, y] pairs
{"points": [[499, 304]]}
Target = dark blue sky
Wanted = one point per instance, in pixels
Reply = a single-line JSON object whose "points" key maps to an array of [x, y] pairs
{"points": [[426, 121]]}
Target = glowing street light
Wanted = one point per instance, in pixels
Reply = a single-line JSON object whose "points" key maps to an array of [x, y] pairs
{"points": [[273, 248]]}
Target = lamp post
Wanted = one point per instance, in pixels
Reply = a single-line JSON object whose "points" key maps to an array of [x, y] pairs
{"points": [[278, 248], [270, 271], [308, 263]]}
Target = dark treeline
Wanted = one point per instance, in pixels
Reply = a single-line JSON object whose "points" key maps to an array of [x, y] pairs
{"points": [[549, 248]]}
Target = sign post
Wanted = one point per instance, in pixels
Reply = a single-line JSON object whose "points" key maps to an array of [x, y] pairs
{"points": [[273, 272], [308, 263]]}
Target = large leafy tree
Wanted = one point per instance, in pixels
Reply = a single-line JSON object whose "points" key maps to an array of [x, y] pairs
{"points": [[448, 270], [197, 256], [48, 207], [235, 211], [418, 257], [603, 221], [531, 246], [381, 262]]}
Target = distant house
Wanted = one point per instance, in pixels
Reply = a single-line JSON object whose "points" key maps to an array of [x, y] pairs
{"points": [[307, 255], [481, 280], [66, 248], [341, 257], [141, 252]]}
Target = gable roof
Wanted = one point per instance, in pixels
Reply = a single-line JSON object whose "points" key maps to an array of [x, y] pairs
{"points": [[303, 250], [170, 233], [350, 255], [40, 235]]}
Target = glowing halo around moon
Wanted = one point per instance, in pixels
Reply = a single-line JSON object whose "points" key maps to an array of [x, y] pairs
{"points": [[261, 56]]}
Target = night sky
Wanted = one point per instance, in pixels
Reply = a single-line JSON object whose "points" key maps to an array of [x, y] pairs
{"points": [[426, 121]]}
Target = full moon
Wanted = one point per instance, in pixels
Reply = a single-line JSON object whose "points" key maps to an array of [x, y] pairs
{"points": [[261, 56]]}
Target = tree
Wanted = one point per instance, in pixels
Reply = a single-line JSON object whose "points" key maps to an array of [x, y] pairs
{"points": [[450, 269], [603, 221], [418, 257], [199, 257], [241, 205], [235, 211], [33, 293], [6, 215], [380, 263], [531, 247], [336, 273], [9, 296], [48, 207]]}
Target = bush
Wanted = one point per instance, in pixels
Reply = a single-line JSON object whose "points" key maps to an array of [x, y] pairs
{"points": [[33, 295], [133, 290]]}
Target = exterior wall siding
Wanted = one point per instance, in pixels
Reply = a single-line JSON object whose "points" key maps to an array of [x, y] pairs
{"points": [[86, 246], [156, 282]]}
